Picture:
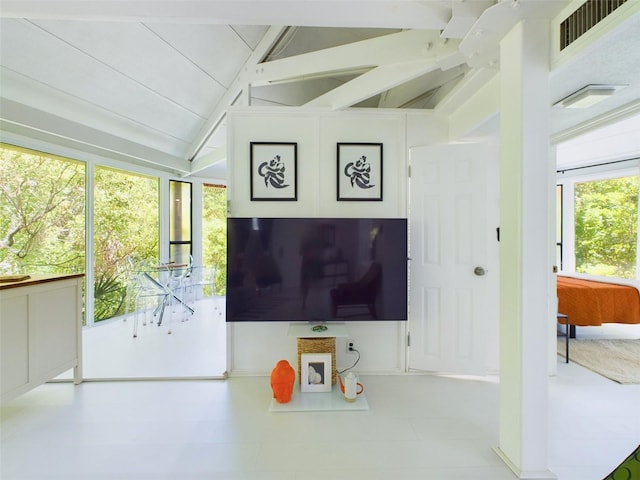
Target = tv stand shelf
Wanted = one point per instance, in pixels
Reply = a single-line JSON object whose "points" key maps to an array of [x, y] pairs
{"points": [[305, 330], [310, 341]]}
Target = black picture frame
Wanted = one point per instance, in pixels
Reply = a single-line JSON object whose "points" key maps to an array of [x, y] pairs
{"points": [[359, 172], [274, 171]]}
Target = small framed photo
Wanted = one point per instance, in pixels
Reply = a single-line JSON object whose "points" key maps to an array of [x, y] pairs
{"points": [[315, 370], [274, 171], [359, 171]]}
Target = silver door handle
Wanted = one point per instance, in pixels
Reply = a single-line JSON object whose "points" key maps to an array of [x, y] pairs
{"points": [[479, 271]]}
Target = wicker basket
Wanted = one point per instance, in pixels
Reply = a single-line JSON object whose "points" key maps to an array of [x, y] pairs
{"points": [[318, 345]]}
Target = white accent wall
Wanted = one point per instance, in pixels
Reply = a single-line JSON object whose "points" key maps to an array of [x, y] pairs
{"points": [[254, 348]]}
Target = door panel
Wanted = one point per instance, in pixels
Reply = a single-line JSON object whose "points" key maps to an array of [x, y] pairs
{"points": [[448, 241]]}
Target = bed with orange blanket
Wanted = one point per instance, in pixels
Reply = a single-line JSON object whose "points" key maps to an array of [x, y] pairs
{"points": [[592, 303]]}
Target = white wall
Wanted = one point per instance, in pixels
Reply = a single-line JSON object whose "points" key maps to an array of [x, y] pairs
{"points": [[254, 348]]}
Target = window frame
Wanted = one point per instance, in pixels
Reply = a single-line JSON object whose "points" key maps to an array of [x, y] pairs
{"points": [[567, 179]]}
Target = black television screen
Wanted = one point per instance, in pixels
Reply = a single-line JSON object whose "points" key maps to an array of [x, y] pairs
{"points": [[316, 269]]}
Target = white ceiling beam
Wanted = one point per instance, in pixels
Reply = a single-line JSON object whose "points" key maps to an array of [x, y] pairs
{"points": [[464, 89], [355, 57], [402, 47], [239, 84], [343, 13], [464, 16], [481, 106], [371, 83], [80, 136], [410, 92], [212, 158], [471, 102], [416, 59], [480, 45]]}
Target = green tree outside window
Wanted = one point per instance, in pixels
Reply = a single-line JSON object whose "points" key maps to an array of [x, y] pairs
{"points": [[126, 223], [214, 233], [42, 213], [606, 227], [42, 223]]}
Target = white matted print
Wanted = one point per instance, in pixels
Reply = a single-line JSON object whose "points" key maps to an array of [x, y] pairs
{"points": [[359, 171], [274, 171], [315, 370]]}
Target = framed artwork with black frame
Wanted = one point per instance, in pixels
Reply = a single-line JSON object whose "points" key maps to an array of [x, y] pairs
{"points": [[359, 172], [315, 370], [274, 171]]}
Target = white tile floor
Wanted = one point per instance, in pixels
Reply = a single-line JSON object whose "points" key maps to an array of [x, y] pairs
{"points": [[196, 348], [418, 427]]}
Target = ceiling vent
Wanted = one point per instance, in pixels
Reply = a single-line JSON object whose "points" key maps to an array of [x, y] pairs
{"points": [[585, 18]]}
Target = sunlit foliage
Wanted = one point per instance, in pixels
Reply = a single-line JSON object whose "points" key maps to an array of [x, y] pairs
{"points": [[606, 227]]}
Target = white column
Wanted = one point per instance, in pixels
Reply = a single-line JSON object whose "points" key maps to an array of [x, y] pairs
{"points": [[525, 266]]}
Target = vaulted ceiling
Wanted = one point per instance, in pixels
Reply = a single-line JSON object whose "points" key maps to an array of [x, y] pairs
{"points": [[149, 81]]}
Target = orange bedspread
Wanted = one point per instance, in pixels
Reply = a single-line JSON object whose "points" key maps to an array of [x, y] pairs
{"points": [[588, 302]]}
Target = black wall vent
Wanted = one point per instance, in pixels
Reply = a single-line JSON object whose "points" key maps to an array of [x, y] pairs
{"points": [[584, 18]]}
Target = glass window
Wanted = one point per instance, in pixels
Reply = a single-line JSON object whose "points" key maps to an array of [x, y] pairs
{"points": [[606, 226], [126, 223], [214, 232], [179, 221], [42, 212]]}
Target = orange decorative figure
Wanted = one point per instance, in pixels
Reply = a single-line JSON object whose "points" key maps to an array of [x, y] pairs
{"points": [[283, 376]]}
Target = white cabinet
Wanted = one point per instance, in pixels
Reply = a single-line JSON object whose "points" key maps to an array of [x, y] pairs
{"points": [[40, 332]]}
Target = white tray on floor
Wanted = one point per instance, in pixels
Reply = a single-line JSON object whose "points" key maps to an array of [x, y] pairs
{"points": [[319, 402]]}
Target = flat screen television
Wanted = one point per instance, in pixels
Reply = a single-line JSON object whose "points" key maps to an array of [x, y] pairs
{"points": [[316, 269]]}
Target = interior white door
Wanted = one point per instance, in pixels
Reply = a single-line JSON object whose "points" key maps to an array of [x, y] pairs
{"points": [[449, 271]]}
